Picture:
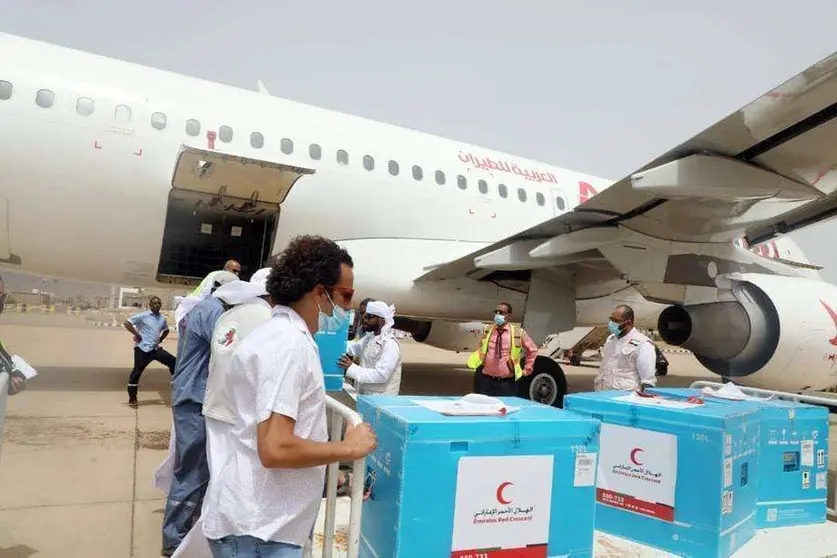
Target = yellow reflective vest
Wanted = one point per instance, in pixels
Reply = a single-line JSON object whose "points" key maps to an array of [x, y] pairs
{"points": [[475, 360]]}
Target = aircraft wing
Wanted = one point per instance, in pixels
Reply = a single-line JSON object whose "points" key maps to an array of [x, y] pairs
{"points": [[764, 170]]}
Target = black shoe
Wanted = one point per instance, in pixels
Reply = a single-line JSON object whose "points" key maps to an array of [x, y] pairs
{"points": [[132, 402], [167, 551]]}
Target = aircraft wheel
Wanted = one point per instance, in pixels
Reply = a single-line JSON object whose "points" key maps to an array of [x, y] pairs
{"points": [[547, 384]]}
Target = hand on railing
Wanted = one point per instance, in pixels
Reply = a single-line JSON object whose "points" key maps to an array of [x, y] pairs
{"points": [[361, 440]]}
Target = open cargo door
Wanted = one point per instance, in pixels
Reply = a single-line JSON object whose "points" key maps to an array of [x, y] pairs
{"points": [[221, 207]]}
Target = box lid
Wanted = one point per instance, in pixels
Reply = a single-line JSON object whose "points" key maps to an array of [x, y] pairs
{"points": [[532, 420], [780, 406], [699, 415]]}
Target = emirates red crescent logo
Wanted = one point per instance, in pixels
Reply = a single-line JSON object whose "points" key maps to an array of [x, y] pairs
{"points": [[833, 315], [634, 456], [500, 496]]}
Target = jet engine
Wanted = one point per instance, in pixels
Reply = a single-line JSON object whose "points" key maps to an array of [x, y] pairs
{"points": [[774, 332], [450, 336]]}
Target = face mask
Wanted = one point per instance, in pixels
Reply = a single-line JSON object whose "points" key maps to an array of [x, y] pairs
{"points": [[338, 320], [613, 327], [499, 319]]}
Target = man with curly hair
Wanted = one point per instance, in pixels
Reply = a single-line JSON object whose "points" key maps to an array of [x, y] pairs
{"points": [[265, 500]]}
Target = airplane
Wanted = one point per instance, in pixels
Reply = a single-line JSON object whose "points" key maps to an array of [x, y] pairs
{"points": [[118, 173]]}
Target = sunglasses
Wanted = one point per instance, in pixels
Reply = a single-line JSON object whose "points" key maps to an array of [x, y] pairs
{"points": [[347, 292]]}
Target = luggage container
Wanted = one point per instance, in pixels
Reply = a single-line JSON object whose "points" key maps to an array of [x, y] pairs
{"points": [[332, 345], [519, 485], [793, 458], [675, 475]]}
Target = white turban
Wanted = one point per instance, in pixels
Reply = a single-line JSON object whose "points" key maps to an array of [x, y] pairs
{"points": [[382, 310], [238, 292], [201, 292]]}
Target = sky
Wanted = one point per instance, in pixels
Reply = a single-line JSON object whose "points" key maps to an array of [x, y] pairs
{"points": [[597, 86]]}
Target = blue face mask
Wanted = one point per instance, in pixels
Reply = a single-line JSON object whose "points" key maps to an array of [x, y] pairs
{"points": [[499, 319], [338, 320], [613, 327]]}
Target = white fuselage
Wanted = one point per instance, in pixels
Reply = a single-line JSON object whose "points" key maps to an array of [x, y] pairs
{"points": [[90, 146]]}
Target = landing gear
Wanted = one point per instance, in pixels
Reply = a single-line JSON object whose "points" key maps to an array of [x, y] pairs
{"points": [[547, 384], [662, 362]]}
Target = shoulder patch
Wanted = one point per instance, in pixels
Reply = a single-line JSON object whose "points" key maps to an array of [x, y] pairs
{"points": [[227, 336], [634, 342]]}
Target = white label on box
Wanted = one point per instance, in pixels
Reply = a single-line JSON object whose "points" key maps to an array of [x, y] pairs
{"points": [[807, 453], [206, 228], [772, 514], [585, 469], [727, 472], [236, 231], [727, 445], [503, 504], [637, 470], [820, 480], [806, 480], [820, 458], [726, 504]]}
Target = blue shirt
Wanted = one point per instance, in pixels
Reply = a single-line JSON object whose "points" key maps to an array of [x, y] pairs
{"points": [[149, 326], [193, 351]]}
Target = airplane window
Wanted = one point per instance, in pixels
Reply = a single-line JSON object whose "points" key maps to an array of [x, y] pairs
{"points": [[342, 157], [393, 168], [541, 199], [504, 192], [6, 89], [44, 98], [287, 146], [521, 194], [256, 140], [483, 186], [315, 151], [462, 182], [225, 134], [368, 162], [84, 106], [193, 127], [559, 202], [159, 121], [418, 174], [122, 113], [440, 178]]}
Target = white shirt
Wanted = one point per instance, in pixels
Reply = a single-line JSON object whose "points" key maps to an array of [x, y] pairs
{"points": [[380, 364], [616, 372], [231, 328], [275, 369]]}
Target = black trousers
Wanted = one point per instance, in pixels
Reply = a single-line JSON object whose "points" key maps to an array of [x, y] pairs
{"points": [[141, 362], [495, 387]]}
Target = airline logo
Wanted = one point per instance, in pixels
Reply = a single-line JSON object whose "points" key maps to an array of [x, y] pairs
{"points": [[585, 191], [486, 163], [502, 507], [637, 471], [833, 315]]}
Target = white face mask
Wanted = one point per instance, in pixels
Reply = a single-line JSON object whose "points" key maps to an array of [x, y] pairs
{"points": [[338, 319]]}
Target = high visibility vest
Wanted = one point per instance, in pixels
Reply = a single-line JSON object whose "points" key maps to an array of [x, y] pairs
{"points": [[474, 361]]}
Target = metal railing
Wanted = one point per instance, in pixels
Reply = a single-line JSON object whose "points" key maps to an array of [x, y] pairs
{"points": [[338, 413], [4, 400], [794, 397]]}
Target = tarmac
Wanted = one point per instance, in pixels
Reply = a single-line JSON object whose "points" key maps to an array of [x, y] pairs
{"points": [[77, 463]]}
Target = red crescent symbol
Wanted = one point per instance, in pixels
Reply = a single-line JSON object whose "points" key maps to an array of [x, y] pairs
{"points": [[499, 494], [833, 316], [634, 452]]}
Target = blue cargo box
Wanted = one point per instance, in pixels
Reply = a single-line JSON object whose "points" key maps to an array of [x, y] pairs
{"points": [[332, 345], [672, 475], [519, 485], [793, 460]]}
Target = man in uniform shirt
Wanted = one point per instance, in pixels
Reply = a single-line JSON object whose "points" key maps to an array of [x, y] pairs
{"points": [[628, 357], [149, 328], [269, 494], [506, 354], [191, 472], [379, 371]]}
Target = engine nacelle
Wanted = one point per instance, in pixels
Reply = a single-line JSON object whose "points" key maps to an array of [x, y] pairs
{"points": [[450, 336], [778, 333]]}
